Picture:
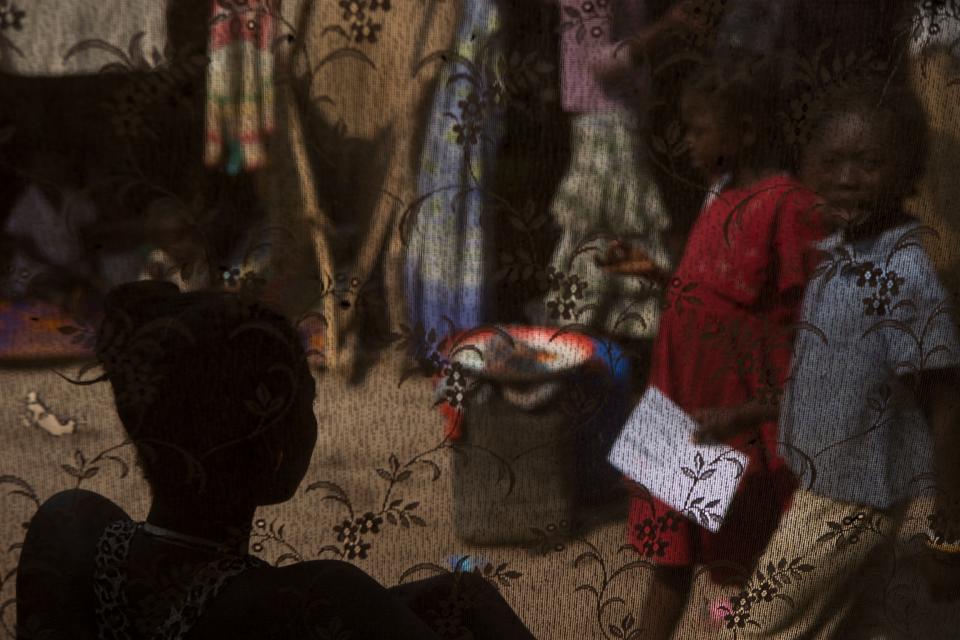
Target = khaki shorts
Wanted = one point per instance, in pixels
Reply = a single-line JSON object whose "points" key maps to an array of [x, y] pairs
{"points": [[821, 561]]}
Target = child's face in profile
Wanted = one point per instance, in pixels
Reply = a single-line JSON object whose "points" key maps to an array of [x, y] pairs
{"points": [[851, 165], [710, 143]]}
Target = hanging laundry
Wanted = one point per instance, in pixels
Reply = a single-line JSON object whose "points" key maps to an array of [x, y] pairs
{"points": [[240, 89]]}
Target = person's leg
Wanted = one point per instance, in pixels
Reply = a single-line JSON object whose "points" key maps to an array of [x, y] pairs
{"points": [[664, 538], [699, 616], [663, 607]]}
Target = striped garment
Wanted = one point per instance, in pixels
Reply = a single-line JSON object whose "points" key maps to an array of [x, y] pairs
{"points": [[240, 96]]}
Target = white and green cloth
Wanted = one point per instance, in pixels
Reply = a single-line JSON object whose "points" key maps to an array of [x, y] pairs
{"points": [[608, 190]]}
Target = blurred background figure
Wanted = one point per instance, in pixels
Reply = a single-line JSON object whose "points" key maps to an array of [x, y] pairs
{"points": [[608, 190]]}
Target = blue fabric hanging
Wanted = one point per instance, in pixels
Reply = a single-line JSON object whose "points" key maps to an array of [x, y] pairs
{"points": [[447, 250]]}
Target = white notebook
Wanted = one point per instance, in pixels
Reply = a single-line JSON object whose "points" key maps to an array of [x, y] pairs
{"points": [[655, 450]]}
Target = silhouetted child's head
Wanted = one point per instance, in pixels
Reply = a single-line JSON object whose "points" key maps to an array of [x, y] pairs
{"points": [[214, 391], [867, 153], [728, 107]]}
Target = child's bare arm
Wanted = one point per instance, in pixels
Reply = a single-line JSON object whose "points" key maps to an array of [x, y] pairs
{"points": [[720, 424], [938, 391], [625, 259], [941, 566]]}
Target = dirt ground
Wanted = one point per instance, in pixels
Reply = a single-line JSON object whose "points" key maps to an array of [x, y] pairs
{"points": [[378, 425]]}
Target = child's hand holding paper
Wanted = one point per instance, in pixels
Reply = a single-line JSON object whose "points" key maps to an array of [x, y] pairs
{"points": [[721, 424], [655, 449]]}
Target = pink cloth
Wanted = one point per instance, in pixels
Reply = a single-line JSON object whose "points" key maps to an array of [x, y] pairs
{"points": [[588, 36]]}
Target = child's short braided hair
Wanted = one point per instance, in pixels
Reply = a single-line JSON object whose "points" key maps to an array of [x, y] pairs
{"points": [[741, 84]]}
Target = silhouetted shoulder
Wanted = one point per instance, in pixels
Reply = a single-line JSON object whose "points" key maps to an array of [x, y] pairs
{"points": [[57, 560], [71, 522], [82, 508]]}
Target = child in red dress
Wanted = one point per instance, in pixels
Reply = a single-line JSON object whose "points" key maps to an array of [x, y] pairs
{"points": [[724, 344]]}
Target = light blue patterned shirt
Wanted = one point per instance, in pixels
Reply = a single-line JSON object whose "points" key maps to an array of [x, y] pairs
{"points": [[874, 313]]}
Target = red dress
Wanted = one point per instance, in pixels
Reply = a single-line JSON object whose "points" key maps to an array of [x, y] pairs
{"points": [[725, 340]]}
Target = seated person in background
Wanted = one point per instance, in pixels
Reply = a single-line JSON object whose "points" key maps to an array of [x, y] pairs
{"points": [[44, 256], [217, 398], [175, 252]]}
